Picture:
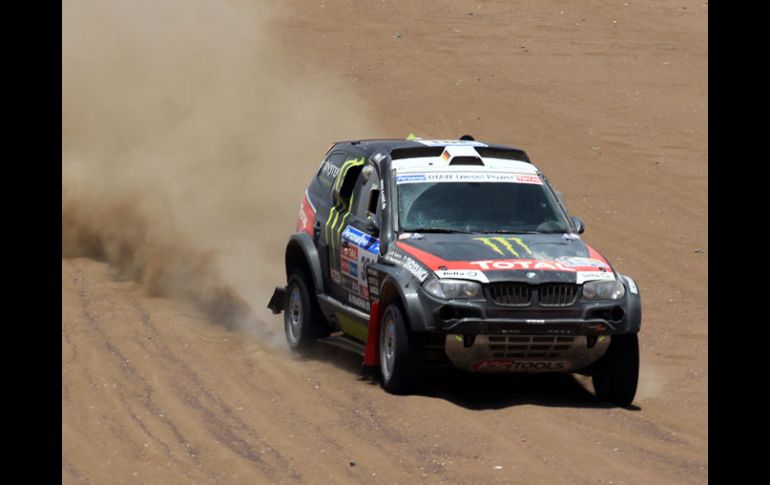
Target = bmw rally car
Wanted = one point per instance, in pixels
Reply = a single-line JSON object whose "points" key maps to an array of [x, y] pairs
{"points": [[420, 251]]}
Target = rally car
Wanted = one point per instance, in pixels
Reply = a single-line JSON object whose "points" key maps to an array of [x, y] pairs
{"points": [[416, 252]]}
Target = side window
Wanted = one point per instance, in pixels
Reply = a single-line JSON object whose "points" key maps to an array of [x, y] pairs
{"points": [[367, 195], [330, 168], [349, 183]]}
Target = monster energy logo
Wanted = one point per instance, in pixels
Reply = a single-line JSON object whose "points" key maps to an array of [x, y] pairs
{"points": [[330, 235], [496, 243]]}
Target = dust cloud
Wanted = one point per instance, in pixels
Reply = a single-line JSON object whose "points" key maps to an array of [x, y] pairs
{"points": [[652, 382], [188, 137]]}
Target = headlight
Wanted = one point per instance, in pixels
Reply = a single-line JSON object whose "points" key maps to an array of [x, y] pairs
{"points": [[603, 290], [452, 289]]}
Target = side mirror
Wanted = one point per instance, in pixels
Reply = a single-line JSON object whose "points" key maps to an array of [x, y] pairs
{"points": [[577, 223], [372, 226]]}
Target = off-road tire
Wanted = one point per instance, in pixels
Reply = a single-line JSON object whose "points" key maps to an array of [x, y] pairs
{"points": [[402, 353], [303, 322], [618, 371]]}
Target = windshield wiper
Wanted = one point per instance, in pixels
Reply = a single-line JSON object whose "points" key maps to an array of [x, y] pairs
{"points": [[438, 230], [505, 231]]}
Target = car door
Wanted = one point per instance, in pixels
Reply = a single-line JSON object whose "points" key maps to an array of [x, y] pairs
{"points": [[326, 179], [342, 197], [359, 240]]}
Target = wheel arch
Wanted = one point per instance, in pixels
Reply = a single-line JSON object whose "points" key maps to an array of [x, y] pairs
{"points": [[302, 254], [634, 305], [401, 288]]}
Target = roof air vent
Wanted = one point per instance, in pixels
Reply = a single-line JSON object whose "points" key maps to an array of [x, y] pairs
{"points": [[466, 161]]}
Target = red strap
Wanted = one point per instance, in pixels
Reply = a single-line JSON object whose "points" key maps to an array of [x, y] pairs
{"points": [[372, 351]]}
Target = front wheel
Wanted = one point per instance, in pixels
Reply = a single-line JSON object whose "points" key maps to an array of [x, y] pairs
{"points": [[618, 372], [402, 353], [302, 319]]}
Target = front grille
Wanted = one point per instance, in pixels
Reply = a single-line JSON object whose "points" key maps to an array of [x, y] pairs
{"points": [[557, 294], [533, 347], [520, 294], [511, 294]]}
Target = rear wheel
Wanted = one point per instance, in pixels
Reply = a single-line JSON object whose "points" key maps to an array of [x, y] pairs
{"points": [[402, 353], [303, 322], [618, 371]]}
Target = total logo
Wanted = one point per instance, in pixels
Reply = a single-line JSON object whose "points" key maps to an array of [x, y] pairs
{"points": [[522, 264]]}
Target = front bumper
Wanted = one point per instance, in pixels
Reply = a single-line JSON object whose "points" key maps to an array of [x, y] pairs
{"points": [[528, 326], [531, 353], [483, 336]]}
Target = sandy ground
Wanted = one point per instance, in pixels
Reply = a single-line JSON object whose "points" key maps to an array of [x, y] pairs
{"points": [[610, 100]]}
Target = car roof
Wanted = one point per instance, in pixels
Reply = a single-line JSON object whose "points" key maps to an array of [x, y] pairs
{"points": [[419, 148]]}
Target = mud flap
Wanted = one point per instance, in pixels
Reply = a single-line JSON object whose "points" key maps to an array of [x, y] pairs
{"points": [[372, 351], [278, 301]]}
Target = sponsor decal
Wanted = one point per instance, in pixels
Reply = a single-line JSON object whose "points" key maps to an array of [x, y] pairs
{"points": [[361, 239], [349, 284], [330, 170], [405, 179], [436, 263], [306, 216], [436, 143], [358, 251], [409, 264], [349, 268], [535, 321], [529, 179], [468, 177], [511, 365], [530, 365], [350, 252], [583, 276], [492, 365], [358, 301], [373, 279], [582, 262], [463, 274], [500, 243], [514, 264]]}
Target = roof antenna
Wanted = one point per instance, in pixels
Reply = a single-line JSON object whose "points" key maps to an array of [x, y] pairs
{"points": [[467, 137]]}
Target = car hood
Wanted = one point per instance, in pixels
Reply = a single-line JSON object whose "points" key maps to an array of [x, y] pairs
{"points": [[531, 258]]}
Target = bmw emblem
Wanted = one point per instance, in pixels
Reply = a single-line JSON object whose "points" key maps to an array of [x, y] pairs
{"points": [[531, 274]]}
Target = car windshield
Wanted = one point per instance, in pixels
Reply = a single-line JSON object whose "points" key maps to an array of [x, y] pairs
{"points": [[520, 204]]}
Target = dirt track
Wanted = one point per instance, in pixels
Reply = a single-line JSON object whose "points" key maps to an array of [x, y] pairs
{"points": [[609, 99]]}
